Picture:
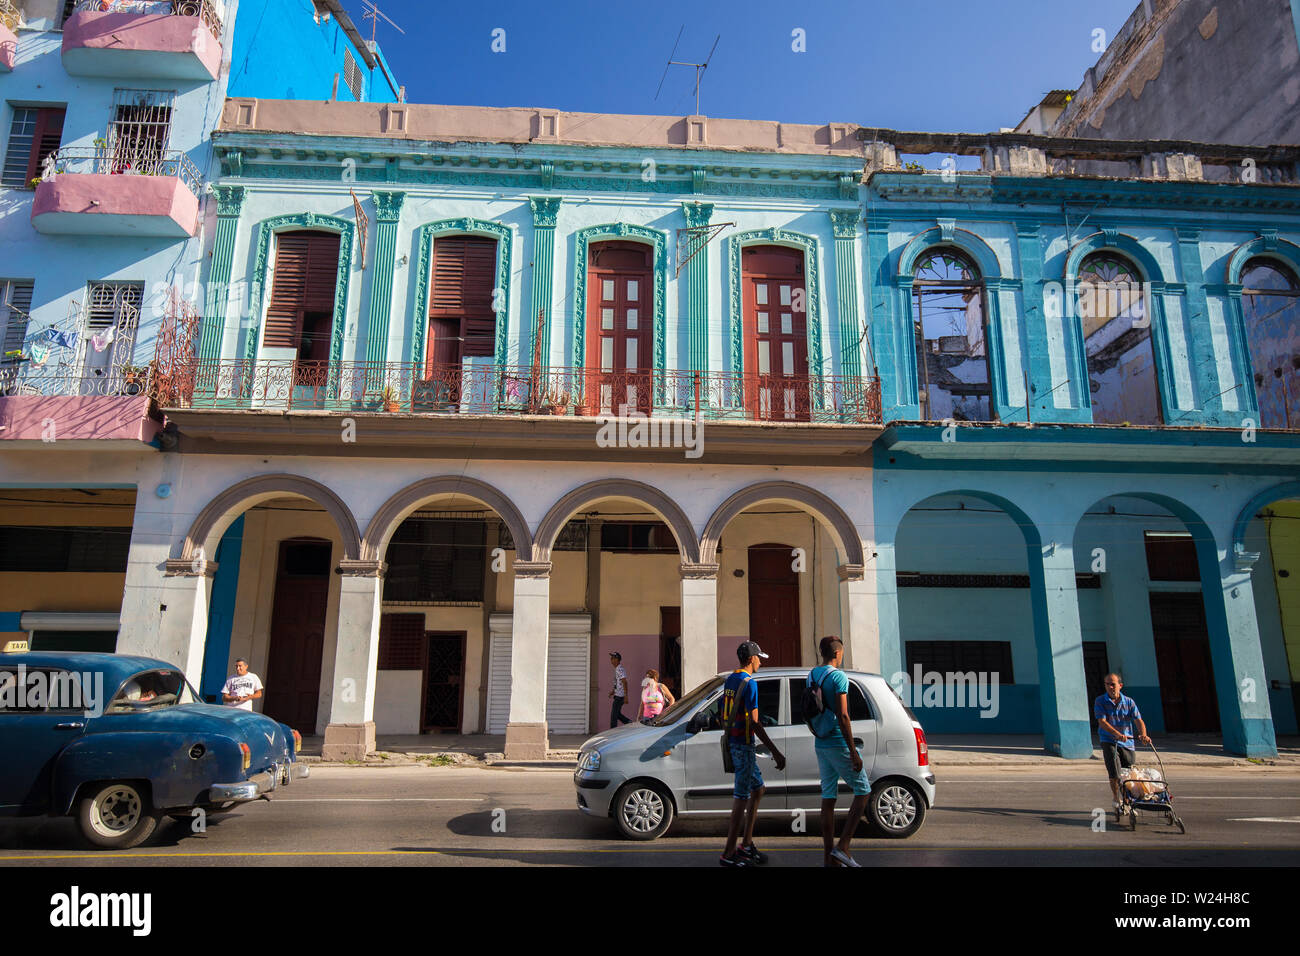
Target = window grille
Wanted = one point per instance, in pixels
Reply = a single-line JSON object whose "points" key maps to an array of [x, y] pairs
{"points": [[139, 129], [948, 657], [352, 75], [15, 304]]}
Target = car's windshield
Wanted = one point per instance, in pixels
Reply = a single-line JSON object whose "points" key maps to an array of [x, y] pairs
{"points": [[683, 706], [151, 689]]}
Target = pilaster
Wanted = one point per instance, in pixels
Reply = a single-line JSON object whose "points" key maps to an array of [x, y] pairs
{"points": [[545, 211], [388, 214], [698, 215], [230, 203], [844, 225]]}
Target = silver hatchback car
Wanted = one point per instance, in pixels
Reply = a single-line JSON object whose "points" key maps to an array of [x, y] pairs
{"points": [[642, 775]]}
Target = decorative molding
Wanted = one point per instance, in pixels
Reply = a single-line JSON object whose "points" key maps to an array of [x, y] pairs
{"points": [[1110, 234], [698, 572], [189, 568], [852, 572], [230, 200], [355, 568], [658, 239], [547, 172], [423, 238], [697, 180], [309, 220], [388, 205], [814, 502], [848, 186], [1269, 237], [844, 222], [531, 569], [812, 291], [947, 228], [698, 214], [545, 211]]}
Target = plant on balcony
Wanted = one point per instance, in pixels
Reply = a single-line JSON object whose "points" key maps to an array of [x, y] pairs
{"points": [[390, 400], [557, 403]]}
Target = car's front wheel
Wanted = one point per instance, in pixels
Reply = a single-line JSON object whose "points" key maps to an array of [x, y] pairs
{"points": [[116, 816], [643, 810], [896, 808]]}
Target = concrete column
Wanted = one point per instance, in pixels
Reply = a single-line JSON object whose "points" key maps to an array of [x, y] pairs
{"points": [[350, 734], [889, 639], [230, 202], [699, 624], [167, 619], [526, 736], [1058, 638], [1239, 679], [861, 637]]}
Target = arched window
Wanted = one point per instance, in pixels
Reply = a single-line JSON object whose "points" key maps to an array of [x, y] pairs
{"points": [[1117, 342], [952, 366], [1270, 307]]}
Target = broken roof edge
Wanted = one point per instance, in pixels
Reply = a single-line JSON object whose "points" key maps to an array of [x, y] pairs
{"points": [[350, 30]]}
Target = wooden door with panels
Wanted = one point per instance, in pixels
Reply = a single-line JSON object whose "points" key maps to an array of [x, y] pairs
{"points": [[618, 322], [462, 320], [776, 333]]}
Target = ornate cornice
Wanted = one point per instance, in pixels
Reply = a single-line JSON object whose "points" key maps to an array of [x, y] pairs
{"points": [[545, 210], [620, 230], [230, 200], [844, 222], [812, 291], [388, 205], [189, 568], [852, 572], [355, 568], [424, 237], [698, 572], [531, 569]]}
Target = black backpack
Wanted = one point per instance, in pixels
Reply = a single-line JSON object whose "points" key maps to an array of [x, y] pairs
{"points": [[813, 704]]}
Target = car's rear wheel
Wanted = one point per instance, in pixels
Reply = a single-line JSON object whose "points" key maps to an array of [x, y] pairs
{"points": [[116, 816], [896, 808], [643, 810]]}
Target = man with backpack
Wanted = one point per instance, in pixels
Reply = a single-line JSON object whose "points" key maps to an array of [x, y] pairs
{"points": [[826, 710], [740, 722]]}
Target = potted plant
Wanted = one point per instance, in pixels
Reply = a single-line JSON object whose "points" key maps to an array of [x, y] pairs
{"points": [[389, 400], [134, 378], [557, 403]]}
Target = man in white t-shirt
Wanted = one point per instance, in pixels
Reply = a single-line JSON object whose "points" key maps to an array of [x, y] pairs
{"points": [[241, 688]]}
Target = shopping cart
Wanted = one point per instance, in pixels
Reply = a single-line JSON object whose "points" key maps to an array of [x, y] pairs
{"points": [[1145, 789]]}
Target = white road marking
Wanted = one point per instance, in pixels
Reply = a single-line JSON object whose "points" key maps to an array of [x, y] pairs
{"points": [[379, 800], [1264, 819], [1184, 797]]}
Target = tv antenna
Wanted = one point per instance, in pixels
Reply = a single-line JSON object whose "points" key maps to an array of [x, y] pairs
{"points": [[699, 67], [374, 14]]}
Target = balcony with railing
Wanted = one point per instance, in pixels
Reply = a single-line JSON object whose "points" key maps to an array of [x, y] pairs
{"points": [[159, 39], [492, 390], [94, 191], [10, 19]]}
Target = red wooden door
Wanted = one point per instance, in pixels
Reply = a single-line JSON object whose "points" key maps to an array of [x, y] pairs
{"points": [[1186, 673], [293, 666], [774, 604], [618, 329], [776, 334]]}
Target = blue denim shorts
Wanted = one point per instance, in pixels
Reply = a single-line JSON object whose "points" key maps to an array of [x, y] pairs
{"points": [[836, 765], [748, 779]]}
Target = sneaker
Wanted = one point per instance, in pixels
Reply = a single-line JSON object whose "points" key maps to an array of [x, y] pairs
{"points": [[752, 854], [843, 858], [737, 860]]}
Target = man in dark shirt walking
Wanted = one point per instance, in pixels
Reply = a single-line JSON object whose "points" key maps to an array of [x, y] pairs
{"points": [[740, 722]]}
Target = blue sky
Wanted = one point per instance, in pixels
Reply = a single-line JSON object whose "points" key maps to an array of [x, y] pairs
{"points": [[952, 65]]}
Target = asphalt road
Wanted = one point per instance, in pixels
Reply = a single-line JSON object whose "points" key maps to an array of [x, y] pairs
{"points": [[448, 816]]}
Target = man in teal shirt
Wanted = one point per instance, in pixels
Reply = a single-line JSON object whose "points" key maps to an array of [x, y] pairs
{"points": [[837, 755]]}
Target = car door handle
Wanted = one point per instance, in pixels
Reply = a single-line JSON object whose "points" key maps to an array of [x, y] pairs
{"points": [[71, 725]]}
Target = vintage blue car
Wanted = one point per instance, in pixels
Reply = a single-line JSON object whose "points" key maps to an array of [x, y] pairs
{"points": [[120, 741]]}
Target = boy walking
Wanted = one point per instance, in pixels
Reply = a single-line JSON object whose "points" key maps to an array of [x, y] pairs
{"points": [[1116, 714], [837, 755], [740, 722]]}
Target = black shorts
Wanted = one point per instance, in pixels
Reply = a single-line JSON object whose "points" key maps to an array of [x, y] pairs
{"points": [[1115, 757]]}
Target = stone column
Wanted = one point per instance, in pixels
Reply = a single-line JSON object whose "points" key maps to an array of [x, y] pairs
{"points": [[698, 215], [861, 637], [545, 210], [1058, 639], [168, 619], [230, 202], [350, 734], [388, 212], [699, 624], [844, 224], [526, 736], [884, 580], [1239, 679]]}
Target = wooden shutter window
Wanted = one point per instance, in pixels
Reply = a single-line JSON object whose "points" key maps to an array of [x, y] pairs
{"points": [[464, 270], [306, 275]]}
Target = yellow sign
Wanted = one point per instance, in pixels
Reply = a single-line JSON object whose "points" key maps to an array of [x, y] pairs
{"points": [[15, 647]]}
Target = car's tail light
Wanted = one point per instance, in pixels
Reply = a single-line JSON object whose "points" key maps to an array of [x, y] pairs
{"points": [[297, 741], [248, 755], [922, 751]]}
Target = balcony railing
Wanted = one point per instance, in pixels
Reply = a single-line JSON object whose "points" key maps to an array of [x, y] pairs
{"points": [[111, 162], [70, 380], [203, 9], [509, 390]]}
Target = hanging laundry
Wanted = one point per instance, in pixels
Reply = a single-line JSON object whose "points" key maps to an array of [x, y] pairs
{"points": [[40, 353], [102, 340], [65, 340]]}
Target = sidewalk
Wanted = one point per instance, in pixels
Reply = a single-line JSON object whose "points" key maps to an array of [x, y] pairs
{"points": [[946, 750]]}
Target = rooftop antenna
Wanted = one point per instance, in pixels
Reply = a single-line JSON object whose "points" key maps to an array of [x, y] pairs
{"points": [[699, 67], [373, 14]]}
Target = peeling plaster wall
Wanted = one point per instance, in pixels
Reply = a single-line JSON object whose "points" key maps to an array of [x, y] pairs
{"points": [[1214, 71]]}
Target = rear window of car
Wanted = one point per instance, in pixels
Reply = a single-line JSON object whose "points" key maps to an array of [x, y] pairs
{"points": [[859, 706]]}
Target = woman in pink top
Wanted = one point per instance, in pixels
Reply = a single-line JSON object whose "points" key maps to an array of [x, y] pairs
{"points": [[654, 696]]}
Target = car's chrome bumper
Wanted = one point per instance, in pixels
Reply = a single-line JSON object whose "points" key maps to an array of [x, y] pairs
{"points": [[280, 775]]}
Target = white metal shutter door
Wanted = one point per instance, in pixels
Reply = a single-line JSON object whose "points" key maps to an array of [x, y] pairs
{"points": [[566, 684], [498, 702]]}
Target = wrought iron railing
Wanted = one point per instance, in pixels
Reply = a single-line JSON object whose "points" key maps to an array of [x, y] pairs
{"points": [[117, 162], [10, 15], [514, 390], [22, 378], [205, 10]]}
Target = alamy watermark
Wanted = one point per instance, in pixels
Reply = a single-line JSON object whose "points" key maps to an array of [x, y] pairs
{"points": [[972, 689], [24, 690], [633, 429]]}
